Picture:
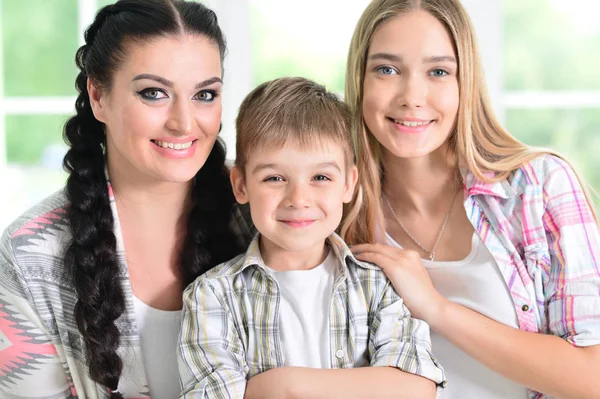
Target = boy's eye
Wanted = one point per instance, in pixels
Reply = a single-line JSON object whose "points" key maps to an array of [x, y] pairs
{"points": [[273, 179], [321, 178]]}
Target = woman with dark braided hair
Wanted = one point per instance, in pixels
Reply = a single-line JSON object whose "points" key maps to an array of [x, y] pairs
{"points": [[91, 279]]}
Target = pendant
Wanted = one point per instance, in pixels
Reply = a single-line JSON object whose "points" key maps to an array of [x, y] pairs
{"points": [[432, 257]]}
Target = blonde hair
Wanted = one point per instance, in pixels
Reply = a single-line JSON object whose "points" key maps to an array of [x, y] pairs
{"points": [[479, 141], [291, 109]]}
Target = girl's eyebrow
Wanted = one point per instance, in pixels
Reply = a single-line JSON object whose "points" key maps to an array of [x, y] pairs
{"points": [[398, 58]]}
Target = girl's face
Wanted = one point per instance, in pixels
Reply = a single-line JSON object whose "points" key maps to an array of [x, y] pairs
{"points": [[411, 96], [163, 111]]}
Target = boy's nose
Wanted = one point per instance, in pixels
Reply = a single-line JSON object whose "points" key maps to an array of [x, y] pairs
{"points": [[298, 197]]}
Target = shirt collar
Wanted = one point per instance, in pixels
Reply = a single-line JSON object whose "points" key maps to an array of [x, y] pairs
{"points": [[253, 257], [475, 186]]}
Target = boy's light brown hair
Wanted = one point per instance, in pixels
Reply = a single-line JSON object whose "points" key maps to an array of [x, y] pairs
{"points": [[295, 109]]}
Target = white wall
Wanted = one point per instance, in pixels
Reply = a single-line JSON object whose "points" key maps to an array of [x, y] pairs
{"points": [[234, 19]]}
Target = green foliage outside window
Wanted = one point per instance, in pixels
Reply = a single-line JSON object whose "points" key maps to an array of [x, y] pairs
{"points": [[549, 51]]}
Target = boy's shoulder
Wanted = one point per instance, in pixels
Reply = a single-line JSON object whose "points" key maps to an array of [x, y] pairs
{"points": [[226, 269]]}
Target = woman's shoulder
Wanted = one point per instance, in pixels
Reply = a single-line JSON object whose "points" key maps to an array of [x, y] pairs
{"points": [[41, 230]]}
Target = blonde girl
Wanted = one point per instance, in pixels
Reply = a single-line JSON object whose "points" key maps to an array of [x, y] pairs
{"points": [[491, 242]]}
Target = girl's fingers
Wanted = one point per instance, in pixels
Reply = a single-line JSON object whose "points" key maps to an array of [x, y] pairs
{"points": [[378, 248], [380, 259]]}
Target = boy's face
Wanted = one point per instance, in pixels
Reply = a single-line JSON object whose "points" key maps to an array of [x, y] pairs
{"points": [[296, 195]]}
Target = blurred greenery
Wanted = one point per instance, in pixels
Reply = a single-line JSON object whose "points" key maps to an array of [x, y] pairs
{"points": [[554, 51], [550, 51], [31, 139], [39, 44]]}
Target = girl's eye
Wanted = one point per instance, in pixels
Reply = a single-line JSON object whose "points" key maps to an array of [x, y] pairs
{"points": [[207, 95], [152, 94], [386, 70], [321, 178], [438, 73]]}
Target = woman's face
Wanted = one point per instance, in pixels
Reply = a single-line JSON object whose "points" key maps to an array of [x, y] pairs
{"points": [[163, 111], [411, 96]]}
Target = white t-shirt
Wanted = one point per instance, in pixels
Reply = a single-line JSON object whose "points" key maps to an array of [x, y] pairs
{"points": [[159, 331], [304, 314], [476, 283]]}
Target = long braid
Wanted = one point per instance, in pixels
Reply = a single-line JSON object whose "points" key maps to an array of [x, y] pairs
{"points": [[92, 254]]}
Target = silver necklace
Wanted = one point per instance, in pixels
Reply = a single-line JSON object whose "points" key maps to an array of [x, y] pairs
{"points": [[439, 235]]}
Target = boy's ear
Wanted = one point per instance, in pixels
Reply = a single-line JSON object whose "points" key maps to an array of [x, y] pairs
{"points": [[351, 179], [238, 184]]}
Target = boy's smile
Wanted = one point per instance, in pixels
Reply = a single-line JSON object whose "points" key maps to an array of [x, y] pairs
{"points": [[296, 198]]}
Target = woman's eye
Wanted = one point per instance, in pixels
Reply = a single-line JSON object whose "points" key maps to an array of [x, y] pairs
{"points": [[152, 94], [386, 70], [207, 95], [439, 73]]}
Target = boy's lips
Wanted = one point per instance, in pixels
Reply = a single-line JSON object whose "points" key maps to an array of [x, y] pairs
{"points": [[298, 223]]}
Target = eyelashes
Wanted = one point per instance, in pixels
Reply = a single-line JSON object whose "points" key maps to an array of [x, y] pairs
{"points": [[154, 94]]}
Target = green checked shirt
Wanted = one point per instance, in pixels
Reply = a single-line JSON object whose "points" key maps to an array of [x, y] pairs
{"points": [[230, 328]]}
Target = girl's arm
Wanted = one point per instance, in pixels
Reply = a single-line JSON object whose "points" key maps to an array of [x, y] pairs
{"points": [[563, 365]]}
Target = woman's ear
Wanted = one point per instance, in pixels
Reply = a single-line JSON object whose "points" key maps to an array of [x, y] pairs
{"points": [[96, 100]]}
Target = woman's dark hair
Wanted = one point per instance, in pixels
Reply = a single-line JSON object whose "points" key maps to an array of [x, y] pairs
{"points": [[91, 255]]}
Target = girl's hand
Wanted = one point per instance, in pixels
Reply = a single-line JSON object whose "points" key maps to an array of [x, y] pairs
{"points": [[404, 268]]}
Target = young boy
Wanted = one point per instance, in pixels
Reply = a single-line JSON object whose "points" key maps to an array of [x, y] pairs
{"points": [[297, 315]]}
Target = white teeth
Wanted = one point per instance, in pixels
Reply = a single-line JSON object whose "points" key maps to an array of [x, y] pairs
{"points": [[410, 123], [174, 146]]}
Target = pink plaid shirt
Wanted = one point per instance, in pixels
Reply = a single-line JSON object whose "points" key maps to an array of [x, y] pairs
{"points": [[543, 236]]}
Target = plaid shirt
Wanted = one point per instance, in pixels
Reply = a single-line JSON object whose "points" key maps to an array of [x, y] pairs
{"points": [[541, 232], [230, 329]]}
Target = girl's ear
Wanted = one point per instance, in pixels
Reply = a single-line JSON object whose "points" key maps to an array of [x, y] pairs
{"points": [[351, 179]]}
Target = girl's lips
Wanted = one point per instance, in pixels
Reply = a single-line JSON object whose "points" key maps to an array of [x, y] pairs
{"points": [[420, 125]]}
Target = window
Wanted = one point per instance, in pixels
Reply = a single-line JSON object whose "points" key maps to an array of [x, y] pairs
{"points": [[539, 57], [551, 87]]}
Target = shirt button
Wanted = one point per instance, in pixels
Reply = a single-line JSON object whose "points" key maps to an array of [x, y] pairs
{"points": [[339, 353], [525, 308]]}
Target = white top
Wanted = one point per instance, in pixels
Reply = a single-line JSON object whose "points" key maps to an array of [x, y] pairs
{"points": [[159, 331], [304, 313], [476, 283]]}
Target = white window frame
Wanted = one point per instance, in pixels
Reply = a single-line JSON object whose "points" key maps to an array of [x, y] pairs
{"points": [[234, 19], [47, 105]]}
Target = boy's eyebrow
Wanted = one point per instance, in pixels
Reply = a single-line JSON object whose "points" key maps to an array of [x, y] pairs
{"points": [[398, 58], [168, 83], [330, 164], [264, 166]]}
